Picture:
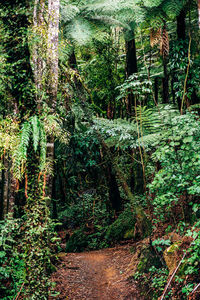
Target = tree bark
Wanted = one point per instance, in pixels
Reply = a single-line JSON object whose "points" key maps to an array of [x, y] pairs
{"points": [[156, 89], [52, 50], [181, 35], [131, 68], [181, 26], [165, 82], [114, 194]]}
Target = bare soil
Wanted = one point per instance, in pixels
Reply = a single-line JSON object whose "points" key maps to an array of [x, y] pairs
{"points": [[97, 275]]}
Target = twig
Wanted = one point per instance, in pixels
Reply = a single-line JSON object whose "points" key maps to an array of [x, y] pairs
{"points": [[19, 292], [173, 274], [194, 290]]}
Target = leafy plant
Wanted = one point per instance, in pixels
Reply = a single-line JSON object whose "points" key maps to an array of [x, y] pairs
{"points": [[12, 268]]}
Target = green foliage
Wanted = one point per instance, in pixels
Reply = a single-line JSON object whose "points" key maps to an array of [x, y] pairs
{"points": [[151, 275], [179, 156], [78, 241], [12, 266], [178, 65], [103, 73], [159, 243], [89, 209], [138, 85], [36, 130], [158, 281]]}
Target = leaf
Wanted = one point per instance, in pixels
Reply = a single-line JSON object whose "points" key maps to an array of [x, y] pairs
{"points": [[36, 131], [188, 139]]}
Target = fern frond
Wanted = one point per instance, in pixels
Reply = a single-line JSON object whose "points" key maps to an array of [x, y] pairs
{"points": [[69, 12], [24, 140], [152, 3], [155, 36], [20, 153], [173, 8], [149, 139], [148, 121], [36, 131], [80, 31]]}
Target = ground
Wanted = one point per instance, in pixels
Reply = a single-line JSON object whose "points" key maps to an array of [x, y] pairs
{"points": [[97, 275]]}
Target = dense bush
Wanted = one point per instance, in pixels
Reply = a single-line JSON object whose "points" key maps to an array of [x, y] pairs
{"points": [[12, 266], [179, 157]]}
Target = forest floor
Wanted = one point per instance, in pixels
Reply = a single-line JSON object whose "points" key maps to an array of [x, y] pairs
{"points": [[97, 275]]}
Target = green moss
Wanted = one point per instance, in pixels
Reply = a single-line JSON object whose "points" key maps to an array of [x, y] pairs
{"points": [[173, 247], [129, 234], [119, 229]]}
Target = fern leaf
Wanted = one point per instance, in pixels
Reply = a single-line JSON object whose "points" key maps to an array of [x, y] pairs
{"points": [[36, 131], [152, 3], [24, 140]]}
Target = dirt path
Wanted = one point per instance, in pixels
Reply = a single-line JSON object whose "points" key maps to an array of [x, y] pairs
{"points": [[96, 275]]}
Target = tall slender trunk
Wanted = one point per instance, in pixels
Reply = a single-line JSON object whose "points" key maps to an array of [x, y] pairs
{"points": [[165, 81], [181, 35], [2, 195], [131, 68], [199, 12], [52, 50], [156, 89], [114, 194], [181, 26]]}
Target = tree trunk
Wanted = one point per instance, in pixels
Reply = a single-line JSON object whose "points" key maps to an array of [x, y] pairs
{"points": [[6, 187], [131, 68], [156, 89], [172, 89], [199, 12], [181, 35], [114, 194], [165, 82], [2, 195], [181, 26], [52, 50]]}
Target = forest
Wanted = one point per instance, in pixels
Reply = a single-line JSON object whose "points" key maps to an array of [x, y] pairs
{"points": [[100, 149]]}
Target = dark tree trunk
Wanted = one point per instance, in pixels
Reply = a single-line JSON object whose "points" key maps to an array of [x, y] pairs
{"points": [[181, 26], [156, 89], [54, 194], [114, 194], [181, 35], [72, 60], [131, 59], [172, 90], [165, 82], [131, 68]]}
